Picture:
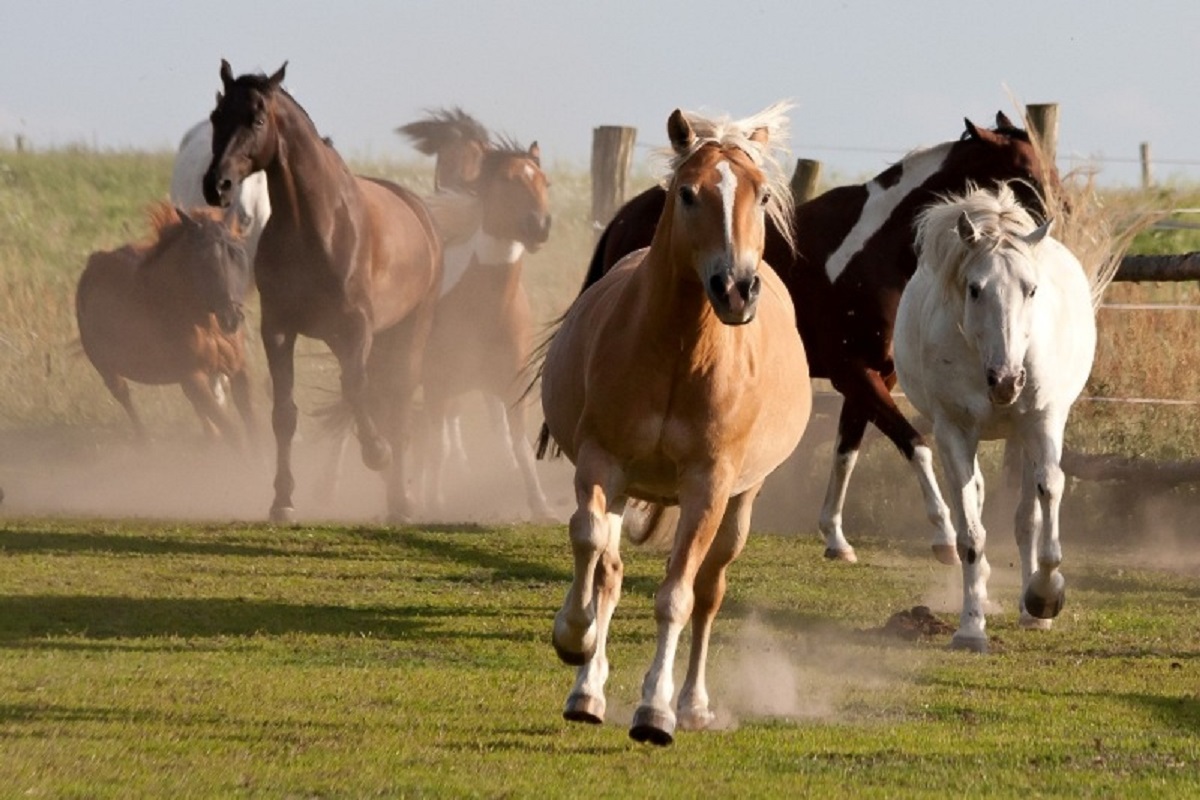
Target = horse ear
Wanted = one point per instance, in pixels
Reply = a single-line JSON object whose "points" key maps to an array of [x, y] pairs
{"points": [[226, 74], [535, 153], [1035, 237], [966, 229], [1002, 120], [275, 80], [185, 219], [972, 131], [680, 132], [761, 135]]}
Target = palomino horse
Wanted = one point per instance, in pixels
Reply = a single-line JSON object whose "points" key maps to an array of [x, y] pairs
{"points": [[678, 378], [458, 141], [170, 312], [853, 256], [250, 208], [351, 261], [995, 335], [483, 332]]}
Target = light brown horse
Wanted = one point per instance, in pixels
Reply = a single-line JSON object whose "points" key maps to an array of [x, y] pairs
{"points": [[352, 261], [483, 332], [678, 378], [170, 311]]}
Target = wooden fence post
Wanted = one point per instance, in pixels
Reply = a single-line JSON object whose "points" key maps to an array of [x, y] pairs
{"points": [[805, 180], [1043, 121], [1147, 178], [612, 155]]}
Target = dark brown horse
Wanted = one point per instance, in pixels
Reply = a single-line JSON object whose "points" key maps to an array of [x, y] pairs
{"points": [[853, 256], [352, 261], [170, 311], [483, 332]]}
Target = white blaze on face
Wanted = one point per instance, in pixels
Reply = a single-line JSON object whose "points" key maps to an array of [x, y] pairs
{"points": [[529, 171], [727, 185], [881, 204]]}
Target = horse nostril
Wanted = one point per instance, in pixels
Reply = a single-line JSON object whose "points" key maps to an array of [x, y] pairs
{"points": [[992, 378], [225, 185], [750, 288], [718, 286], [1020, 378]]}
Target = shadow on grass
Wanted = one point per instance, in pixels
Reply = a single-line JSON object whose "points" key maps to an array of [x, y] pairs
{"points": [[21, 541], [27, 619]]}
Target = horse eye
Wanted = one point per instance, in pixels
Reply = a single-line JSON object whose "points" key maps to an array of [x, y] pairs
{"points": [[1031, 291], [765, 199], [974, 289], [687, 194], [260, 120]]}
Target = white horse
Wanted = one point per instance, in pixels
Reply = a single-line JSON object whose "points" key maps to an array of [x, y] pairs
{"points": [[251, 203], [994, 339]]}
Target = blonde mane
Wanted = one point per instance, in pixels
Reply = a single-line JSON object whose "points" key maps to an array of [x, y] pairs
{"points": [[999, 220], [769, 157]]}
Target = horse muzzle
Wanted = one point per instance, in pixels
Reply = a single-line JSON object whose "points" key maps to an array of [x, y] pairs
{"points": [[1005, 385], [218, 189], [230, 319], [536, 231], [734, 301]]}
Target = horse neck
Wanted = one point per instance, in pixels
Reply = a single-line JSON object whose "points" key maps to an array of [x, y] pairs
{"points": [[496, 260], [300, 177]]}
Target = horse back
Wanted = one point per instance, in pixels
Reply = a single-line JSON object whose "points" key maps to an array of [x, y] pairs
{"points": [[405, 253]]}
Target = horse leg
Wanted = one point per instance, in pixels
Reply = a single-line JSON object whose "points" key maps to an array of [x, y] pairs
{"points": [[399, 368], [198, 389], [598, 482], [1028, 520], [587, 703], [522, 455], [119, 388], [703, 497], [500, 414], [280, 347], [1045, 591], [870, 394], [437, 445], [352, 348], [239, 387], [966, 498], [694, 713], [452, 438], [851, 427]]}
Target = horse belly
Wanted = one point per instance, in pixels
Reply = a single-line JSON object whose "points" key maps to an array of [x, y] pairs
{"points": [[401, 259]]}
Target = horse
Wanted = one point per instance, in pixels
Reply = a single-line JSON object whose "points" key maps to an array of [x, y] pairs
{"points": [[458, 140], [677, 378], [354, 262], [251, 206], [853, 256], [994, 339], [170, 311], [483, 330]]}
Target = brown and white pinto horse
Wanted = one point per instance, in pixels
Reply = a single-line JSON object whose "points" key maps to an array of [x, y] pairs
{"points": [[854, 254], [483, 331], [352, 261], [678, 378], [170, 311]]}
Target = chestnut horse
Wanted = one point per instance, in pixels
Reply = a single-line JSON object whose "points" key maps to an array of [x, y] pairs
{"points": [[678, 378], [853, 256], [354, 262], [171, 312], [483, 331]]}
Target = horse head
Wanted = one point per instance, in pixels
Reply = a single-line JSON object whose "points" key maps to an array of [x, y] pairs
{"points": [[213, 264], [514, 195], [245, 137], [990, 249], [716, 202], [1007, 154]]}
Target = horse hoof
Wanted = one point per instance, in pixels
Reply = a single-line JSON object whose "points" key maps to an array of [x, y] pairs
{"points": [[946, 554], [377, 455], [1031, 623], [1046, 607], [971, 644], [696, 719], [584, 708], [846, 555], [283, 515], [653, 725]]}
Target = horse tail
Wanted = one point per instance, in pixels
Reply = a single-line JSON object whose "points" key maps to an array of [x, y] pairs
{"points": [[649, 524]]}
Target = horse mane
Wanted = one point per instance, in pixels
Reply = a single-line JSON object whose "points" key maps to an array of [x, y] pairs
{"points": [[444, 126], [727, 132], [999, 219], [166, 225]]}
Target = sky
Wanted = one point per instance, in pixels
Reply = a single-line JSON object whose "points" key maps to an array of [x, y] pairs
{"points": [[870, 80]]}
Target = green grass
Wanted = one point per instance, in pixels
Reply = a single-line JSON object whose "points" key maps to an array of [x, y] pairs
{"points": [[147, 660]]}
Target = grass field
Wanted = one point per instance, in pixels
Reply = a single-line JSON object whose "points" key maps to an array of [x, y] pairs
{"points": [[157, 659]]}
